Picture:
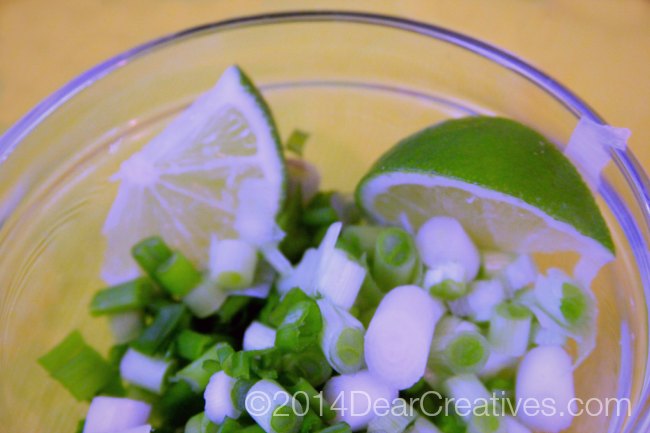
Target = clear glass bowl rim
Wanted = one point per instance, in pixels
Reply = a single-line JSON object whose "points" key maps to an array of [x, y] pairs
{"points": [[625, 160]]}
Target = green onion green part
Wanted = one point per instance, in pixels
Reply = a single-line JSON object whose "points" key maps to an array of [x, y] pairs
{"points": [[151, 253], [177, 275], [128, 296], [395, 258], [78, 367]]}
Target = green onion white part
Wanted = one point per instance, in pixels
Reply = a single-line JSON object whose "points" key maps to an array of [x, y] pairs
{"points": [[273, 408], [519, 273], [313, 263], [514, 426], [488, 421], [393, 420], [546, 372], [205, 299], [262, 283], [126, 326], [496, 363], [442, 240], [548, 337], [399, 336], [218, 398], [194, 374], [232, 263], [494, 262], [355, 397], [422, 425], [342, 338], [145, 371], [276, 259], [340, 278], [466, 390], [510, 329], [112, 414], [447, 328], [258, 336], [561, 305], [302, 275], [145, 428], [479, 303], [446, 281]]}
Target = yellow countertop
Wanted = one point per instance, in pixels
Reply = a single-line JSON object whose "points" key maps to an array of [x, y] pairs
{"points": [[598, 48]]}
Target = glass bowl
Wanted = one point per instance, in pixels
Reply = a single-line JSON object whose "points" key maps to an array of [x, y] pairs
{"points": [[358, 83]]}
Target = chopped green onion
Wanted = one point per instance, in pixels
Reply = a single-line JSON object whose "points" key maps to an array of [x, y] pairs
{"points": [[229, 425], [320, 211], [206, 299], [497, 363], [191, 345], [78, 367], [395, 421], [510, 329], [442, 240], [481, 300], [177, 275], [395, 259], [339, 427], [302, 276], [237, 365], [466, 388], [422, 425], [307, 395], [258, 337], [132, 295], [195, 374], [300, 328], [253, 428], [200, 423], [145, 371], [110, 414], [493, 263], [342, 338], [193, 425], [218, 398], [399, 336], [546, 374], [280, 413], [446, 281], [339, 278], [232, 263], [560, 304], [349, 394], [466, 352], [158, 335], [239, 391], [277, 260], [292, 297], [296, 141], [487, 420], [520, 273], [232, 307], [311, 422], [548, 337], [126, 326], [361, 239], [514, 426], [150, 253], [310, 364], [177, 403]]}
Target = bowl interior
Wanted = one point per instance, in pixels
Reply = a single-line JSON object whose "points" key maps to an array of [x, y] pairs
{"points": [[356, 85]]}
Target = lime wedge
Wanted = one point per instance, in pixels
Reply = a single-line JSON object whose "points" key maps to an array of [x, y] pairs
{"points": [[510, 188], [217, 168]]}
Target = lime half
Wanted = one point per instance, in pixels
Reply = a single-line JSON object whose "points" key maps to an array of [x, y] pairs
{"points": [[217, 168], [510, 188]]}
